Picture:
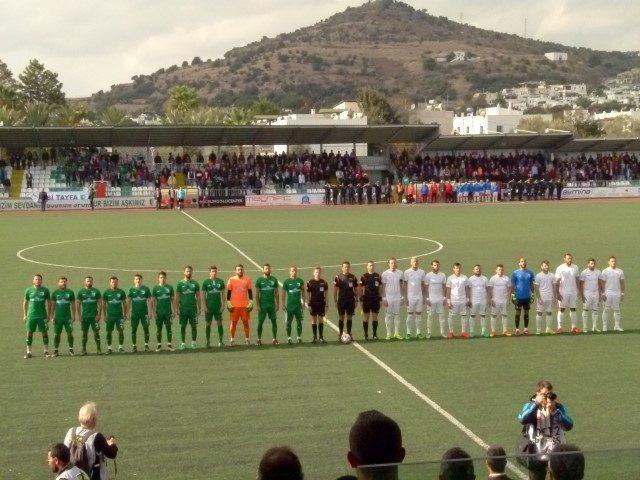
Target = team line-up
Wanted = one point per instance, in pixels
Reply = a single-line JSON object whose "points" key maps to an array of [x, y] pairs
{"points": [[469, 298]]}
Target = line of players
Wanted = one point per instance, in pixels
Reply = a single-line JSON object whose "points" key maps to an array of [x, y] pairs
{"points": [[466, 297]]}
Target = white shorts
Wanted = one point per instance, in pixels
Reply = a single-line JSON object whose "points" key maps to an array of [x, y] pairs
{"points": [[544, 305], [569, 300], [437, 306], [499, 309], [414, 305], [458, 308], [591, 302], [612, 301], [478, 309], [393, 305]]}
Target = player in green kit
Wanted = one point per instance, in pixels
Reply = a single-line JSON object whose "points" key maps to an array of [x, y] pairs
{"points": [[114, 311], [139, 299], [294, 297], [88, 306], [64, 314], [35, 311], [188, 292], [212, 290], [163, 308], [268, 302]]}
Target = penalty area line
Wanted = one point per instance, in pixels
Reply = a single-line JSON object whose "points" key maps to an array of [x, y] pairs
{"points": [[399, 378]]}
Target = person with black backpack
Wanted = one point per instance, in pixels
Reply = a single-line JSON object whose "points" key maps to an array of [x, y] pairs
{"points": [[89, 448]]}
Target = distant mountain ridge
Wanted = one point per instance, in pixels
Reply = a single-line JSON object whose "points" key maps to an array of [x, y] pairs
{"points": [[385, 44]]}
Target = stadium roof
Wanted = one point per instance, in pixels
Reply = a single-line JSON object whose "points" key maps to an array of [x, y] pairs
{"points": [[600, 145], [498, 142], [14, 137]]}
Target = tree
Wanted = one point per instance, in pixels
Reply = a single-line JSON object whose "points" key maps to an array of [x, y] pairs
{"points": [[534, 124], [589, 128], [6, 77], [264, 106], [583, 102], [71, 115], [37, 114], [238, 116], [9, 117], [429, 64], [376, 107], [183, 98], [622, 126], [196, 61], [114, 117], [38, 84]]}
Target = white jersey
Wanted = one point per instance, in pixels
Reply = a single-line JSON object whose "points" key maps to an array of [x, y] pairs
{"points": [[500, 285], [414, 279], [436, 283], [478, 284], [567, 276], [589, 279], [611, 278], [72, 473], [458, 286], [392, 281], [545, 281]]}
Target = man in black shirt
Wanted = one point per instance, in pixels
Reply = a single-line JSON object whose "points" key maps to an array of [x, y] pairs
{"points": [[343, 194], [43, 197], [345, 287], [378, 192], [370, 286], [317, 303], [360, 193], [336, 190], [369, 190], [327, 194]]}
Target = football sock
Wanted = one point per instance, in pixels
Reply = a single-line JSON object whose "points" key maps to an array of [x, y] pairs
{"points": [[183, 333], [517, 318], [464, 322], [396, 323], [194, 332], [232, 329], [493, 323], [560, 318], [526, 319], [408, 322], [341, 326], [505, 323], [418, 319], [274, 327], [45, 339], [321, 330], [538, 322], [616, 318], [207, 333], [374, 324], [220, 333], [441, 320], [450, 322], [549, 320], [349, 325], [261, 324], [29, 339], [605, 318], [288, 327], [573, 315], [388, 322], [585, 319], [314, 329], [56, 340], [145, 329], [245, 327], [365, 327], [70, 339]]}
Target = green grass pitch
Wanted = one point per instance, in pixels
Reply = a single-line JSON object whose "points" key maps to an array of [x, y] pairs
{"points": [[211, 414]]}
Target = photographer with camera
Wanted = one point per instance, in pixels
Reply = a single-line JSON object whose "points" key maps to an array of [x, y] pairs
{"points": [[544, 422], [89, 448]]}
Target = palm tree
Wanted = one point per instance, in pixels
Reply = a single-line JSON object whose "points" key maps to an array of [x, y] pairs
{"points": [[9, 117], [37, 114], [114, 117], [71, 115]]}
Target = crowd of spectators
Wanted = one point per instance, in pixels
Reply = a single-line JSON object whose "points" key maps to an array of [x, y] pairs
{"points": [[502, 168]]}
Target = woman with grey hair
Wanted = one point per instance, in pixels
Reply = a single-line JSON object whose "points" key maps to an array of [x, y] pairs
{"points": [[89, 447]]}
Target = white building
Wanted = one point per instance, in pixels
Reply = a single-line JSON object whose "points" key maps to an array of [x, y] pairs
{"points": [[432, 112], [494, 120], [344, 113], [557, 56]]}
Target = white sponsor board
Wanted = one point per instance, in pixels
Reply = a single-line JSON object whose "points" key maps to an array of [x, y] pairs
{"points": [[284, 200], [78, 204], [67, 195], [601, 192]]}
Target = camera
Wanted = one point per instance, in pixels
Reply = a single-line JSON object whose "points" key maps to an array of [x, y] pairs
{"points": [[551, 396]]}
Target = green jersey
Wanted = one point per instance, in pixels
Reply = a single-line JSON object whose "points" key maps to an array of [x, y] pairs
{"points": [[163, 295], [187, 291], [213, 289], [115, 302], [139, 297], [293, 287], [37, 306], [88, 298], [63, 300], [267, 286]]}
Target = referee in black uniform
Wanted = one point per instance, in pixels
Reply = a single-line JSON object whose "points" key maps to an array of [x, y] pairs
{"points": [[317, 289], [345, 287], [370, 285]]}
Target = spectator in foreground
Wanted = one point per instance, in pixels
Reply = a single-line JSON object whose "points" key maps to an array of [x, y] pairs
{"points": [[566, 463], [497, 463], [59, 460], [280, 463], [98, 447], [375, 439], [456, 464]]}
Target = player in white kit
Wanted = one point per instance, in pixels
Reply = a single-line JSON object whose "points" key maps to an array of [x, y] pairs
{"points": [[545, 297], [499, 292], [566, 283], [414, 288], [612, 288], [478, 286], [457, 293], [435, 282], [589, 283], [392, 298]]}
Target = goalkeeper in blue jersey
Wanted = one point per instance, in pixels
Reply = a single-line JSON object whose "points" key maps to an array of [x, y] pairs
{"points": [[522, 296]]}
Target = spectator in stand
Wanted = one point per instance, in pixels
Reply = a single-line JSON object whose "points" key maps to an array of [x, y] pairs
{"points": [[566, 463], [497, 463], [456, 464], [59, 460], [97, 446], [375, 439], [280, 463]]}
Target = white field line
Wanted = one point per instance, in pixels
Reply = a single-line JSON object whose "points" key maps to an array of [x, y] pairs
{"points": [[412, 388]]}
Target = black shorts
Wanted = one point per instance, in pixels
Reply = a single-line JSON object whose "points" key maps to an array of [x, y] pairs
{"points": [[347, 307], [317, 309], [523, 303], [370, 305]]}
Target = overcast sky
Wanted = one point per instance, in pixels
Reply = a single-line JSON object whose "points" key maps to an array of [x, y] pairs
{"points": [[93, 44]]}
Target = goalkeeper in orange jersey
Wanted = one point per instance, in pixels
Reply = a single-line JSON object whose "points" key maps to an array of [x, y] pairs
{"points": [[239, 302]]}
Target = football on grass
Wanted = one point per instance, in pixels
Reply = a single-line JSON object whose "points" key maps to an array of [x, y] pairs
{"points": [[345, 337]]}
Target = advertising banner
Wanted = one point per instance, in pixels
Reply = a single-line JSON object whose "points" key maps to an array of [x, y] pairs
{"points": [[600, 192], [223, 201], [78, 204], [285, 200]]}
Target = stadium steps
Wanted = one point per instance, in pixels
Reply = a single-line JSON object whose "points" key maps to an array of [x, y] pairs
{"points": [[16, 183]]}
